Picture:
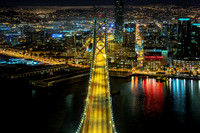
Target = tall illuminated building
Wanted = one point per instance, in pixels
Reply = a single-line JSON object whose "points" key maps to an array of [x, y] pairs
{"points": [[129, 35], [195, 39], [119, 20], [184, 37]]}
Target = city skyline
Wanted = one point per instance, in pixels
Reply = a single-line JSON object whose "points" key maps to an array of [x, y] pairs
{"points": [[106, 67], [94, 3]]}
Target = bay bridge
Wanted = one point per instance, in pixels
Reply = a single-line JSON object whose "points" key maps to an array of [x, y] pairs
{"points": [[97, 116]]}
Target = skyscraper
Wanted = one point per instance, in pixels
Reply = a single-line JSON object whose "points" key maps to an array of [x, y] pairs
{"points": [[184, 37], [195, 39], [119, 20], [129, 36]]}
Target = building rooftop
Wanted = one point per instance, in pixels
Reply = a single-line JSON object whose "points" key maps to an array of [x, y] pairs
{"points": [[196, 24], [184, 19]]}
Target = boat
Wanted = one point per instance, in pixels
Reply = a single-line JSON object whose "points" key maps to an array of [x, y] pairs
{"points": [[185, 74], [115, 92], [161, 76], [164, 78]]}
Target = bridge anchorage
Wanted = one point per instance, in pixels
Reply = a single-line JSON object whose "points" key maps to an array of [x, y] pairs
{"points": [[98, 116]]}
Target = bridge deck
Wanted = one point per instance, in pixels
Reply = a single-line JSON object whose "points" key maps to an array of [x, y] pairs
{"points": [[98, 111]]}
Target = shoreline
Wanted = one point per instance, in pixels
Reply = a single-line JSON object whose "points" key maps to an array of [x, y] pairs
{"points": [[7, 56], [152, 76], [123, 75]]}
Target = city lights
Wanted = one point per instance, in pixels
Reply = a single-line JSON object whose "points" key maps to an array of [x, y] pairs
{"points": [[102, 66]]}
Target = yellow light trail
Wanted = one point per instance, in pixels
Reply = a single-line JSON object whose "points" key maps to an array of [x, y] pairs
{"points": [[98, 118]]}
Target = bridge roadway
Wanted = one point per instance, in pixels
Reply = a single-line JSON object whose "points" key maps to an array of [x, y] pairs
{"points": [[98, 110]]}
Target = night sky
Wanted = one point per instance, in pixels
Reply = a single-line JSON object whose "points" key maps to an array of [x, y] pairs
{"points": [[91, 2]]}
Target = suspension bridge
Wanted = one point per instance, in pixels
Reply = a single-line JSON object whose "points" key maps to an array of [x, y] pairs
{"points": [[97, 116]]}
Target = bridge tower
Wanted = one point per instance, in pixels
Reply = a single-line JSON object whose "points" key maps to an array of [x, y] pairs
{"points": [[99, 35]]}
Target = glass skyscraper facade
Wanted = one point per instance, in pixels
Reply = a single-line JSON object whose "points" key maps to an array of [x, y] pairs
{"points": [[195, 39], [119, 20], [184, 37]]}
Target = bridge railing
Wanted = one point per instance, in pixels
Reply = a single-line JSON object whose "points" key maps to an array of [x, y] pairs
{"points": [[88, 94], [110, 98]]}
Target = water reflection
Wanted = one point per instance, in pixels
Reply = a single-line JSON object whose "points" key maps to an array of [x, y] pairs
{"points": [[142, 105], [195, 100], [174, 102], [199, 85], [69, 101], [178, 93], [152, 92]]}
